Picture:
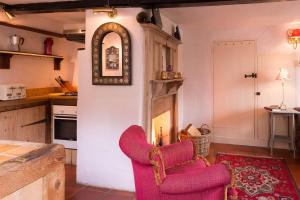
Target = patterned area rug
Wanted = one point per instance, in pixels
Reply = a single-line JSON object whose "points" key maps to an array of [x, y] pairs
{"points": [[260, 178]]}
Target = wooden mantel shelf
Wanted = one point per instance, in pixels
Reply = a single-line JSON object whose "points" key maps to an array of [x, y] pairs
{"points": [[168, 81], [159, 31], [6, 55], [161, 88]]}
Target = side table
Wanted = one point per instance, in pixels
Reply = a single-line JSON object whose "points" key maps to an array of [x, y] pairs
{"points": [[290, 138]]}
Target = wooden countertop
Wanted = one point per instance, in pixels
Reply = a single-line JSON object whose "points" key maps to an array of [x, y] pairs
{"points": [[22, 163], [36, 101]]}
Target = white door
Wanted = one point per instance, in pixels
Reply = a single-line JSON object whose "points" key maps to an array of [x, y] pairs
{"points": [[234, 95]]}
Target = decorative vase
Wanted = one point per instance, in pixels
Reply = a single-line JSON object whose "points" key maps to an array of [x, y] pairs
{"points": [[156, 19], [143, 17], [48, 46], [177, 33], [169, 68]]}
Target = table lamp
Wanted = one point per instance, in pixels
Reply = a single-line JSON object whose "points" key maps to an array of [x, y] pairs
{"points": [[283, 76]]}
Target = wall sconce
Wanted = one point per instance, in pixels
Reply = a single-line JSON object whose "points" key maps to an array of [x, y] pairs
{"points": [[294, 37], [111, 12], [8, 14]]}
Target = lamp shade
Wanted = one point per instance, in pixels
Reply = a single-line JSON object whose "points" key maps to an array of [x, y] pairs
{"points": [[283, 75], [294, 33], [294, 37]]}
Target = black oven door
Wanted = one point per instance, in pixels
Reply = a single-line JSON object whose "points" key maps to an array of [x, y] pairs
{"points": [[65, 128]]}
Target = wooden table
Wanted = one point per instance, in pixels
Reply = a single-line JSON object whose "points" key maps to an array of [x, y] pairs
{"points": [[290, 138], [32, 171]]}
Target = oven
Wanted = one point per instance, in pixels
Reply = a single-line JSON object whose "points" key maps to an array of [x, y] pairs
{"points": [[64, 126]]}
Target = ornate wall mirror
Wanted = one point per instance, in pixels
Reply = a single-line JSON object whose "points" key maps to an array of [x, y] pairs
{"points": [[111, 55]]}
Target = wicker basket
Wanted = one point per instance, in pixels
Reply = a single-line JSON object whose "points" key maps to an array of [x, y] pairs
{"points": [[202, 143]]}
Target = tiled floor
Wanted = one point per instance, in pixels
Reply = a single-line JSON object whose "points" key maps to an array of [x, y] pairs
{"points": [[79, 192]]}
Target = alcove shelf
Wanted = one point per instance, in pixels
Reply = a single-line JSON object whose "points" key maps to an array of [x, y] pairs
{"points": [[5, 57]]}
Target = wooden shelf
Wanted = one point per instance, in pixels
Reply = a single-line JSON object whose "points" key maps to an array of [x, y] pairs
{"points": [[156, 28], [165, 87], [167, 81], [6, 55]]}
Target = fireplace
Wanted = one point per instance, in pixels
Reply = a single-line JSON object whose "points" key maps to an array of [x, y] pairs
{"points": [[161, 129], [162, 113], [163, 120], [161, 95]]}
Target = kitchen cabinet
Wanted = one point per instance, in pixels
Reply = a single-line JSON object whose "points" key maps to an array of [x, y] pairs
{"points": [[31, 124], [28, 124], [71, 156], [32, 171], [8, 125]]}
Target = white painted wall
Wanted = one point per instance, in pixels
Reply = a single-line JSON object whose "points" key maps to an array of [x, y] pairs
{"points": [[37, 72], [104, 112], [265, 23]]}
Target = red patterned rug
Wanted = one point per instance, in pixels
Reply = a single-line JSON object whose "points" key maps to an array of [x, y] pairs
{"points": [[259, 178]]}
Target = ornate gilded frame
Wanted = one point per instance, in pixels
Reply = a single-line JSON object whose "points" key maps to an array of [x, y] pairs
{"points": [[100, 33]]}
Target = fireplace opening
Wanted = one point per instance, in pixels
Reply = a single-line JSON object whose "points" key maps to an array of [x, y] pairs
{"points": [[161, 129]]}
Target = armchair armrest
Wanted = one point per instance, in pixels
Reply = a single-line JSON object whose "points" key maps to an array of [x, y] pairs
{"points": [[177, 153], [196, 181]]}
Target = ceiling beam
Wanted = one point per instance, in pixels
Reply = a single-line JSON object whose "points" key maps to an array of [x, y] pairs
{"points": [[81, 5], [36, 30]]}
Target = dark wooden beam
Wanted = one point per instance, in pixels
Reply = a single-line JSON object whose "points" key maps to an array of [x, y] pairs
{"points": [[64, 6], [195, 3], [80, 5], [36, 30]]}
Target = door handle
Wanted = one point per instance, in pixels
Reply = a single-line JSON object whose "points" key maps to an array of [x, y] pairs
{"points": [[253, 75]]}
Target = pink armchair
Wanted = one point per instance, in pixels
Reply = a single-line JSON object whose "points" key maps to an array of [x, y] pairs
{"points": [[173, 172]]}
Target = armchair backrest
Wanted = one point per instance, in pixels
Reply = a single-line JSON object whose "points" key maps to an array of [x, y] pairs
{"points": [[134, 144], [177, 153]]}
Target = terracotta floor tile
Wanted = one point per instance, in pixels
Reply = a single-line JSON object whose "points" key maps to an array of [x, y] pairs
{"points": [[122, 193], [104, 190], [118, 197], [72, 190], [88, 194]]}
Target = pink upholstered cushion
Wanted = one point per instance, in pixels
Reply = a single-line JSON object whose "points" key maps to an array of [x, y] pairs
{"points": [[187, 167], [177, 153], [196, 181]]}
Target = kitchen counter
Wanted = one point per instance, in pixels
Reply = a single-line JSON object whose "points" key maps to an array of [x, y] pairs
{"points": [[37, 101], [26, 167]]}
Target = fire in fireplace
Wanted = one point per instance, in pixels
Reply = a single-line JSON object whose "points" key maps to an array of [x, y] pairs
{"points": [[161, 129]]}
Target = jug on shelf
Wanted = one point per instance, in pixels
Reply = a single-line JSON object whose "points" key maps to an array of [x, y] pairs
{"points": [[16, 42]]}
